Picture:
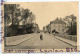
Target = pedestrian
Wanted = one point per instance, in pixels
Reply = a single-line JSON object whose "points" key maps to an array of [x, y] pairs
{"points": [[41, 38]]}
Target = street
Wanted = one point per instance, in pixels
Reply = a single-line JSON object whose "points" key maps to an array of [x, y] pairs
{"points": [[35, 42]]}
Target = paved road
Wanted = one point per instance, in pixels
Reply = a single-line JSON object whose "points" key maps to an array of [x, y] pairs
{"points": [[47, 42]]}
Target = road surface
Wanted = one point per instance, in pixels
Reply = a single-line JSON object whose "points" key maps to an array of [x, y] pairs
{"points": [[48, 42]]}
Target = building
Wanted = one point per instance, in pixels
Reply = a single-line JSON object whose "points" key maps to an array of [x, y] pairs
{"points": [[58, 26], [47, 28], [44, 29]]}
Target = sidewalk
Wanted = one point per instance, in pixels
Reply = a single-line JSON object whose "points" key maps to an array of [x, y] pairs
{"points": [[72, 43]]}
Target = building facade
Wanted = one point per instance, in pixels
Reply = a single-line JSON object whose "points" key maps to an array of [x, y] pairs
{"points": [[44, 29], [58, 26]]}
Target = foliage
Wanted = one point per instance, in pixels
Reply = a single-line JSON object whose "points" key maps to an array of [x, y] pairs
{"points": [[72, 30], [9, 12], [32, 17], [13, 15], [72, 24], [7, 19]]}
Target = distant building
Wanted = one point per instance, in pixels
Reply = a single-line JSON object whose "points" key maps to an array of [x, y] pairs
{"points": [[47, 28], [58, 25], [44, 29]]}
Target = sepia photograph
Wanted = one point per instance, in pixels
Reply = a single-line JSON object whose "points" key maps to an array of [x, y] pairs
{"points": [[41, 25]]}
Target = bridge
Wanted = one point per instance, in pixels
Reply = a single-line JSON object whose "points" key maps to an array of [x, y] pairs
{"points": [[33, 41]]}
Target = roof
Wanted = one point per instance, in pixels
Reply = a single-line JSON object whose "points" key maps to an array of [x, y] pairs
{"points": [[57, 21]]}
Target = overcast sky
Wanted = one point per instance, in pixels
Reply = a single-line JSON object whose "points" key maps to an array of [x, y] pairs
{"points": [[49, 11]]}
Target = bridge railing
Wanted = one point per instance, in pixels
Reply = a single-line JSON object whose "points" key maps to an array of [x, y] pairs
{"points": [[70, 37], [14, 40]]}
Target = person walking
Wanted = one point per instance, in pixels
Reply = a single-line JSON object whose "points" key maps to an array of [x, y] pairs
{"points": [[41, 37]]}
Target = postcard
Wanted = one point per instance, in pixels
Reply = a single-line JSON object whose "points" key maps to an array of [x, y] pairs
{"points": [[29, 27]]}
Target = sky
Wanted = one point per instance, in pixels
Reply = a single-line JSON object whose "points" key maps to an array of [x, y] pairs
{"points": [[49, 11]]}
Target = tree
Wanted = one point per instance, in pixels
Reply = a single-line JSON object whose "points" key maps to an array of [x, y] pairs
{"points": [[72, 27], [11, 9], [32, 17], [7, 19], [10, 16], [25, 14]]}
